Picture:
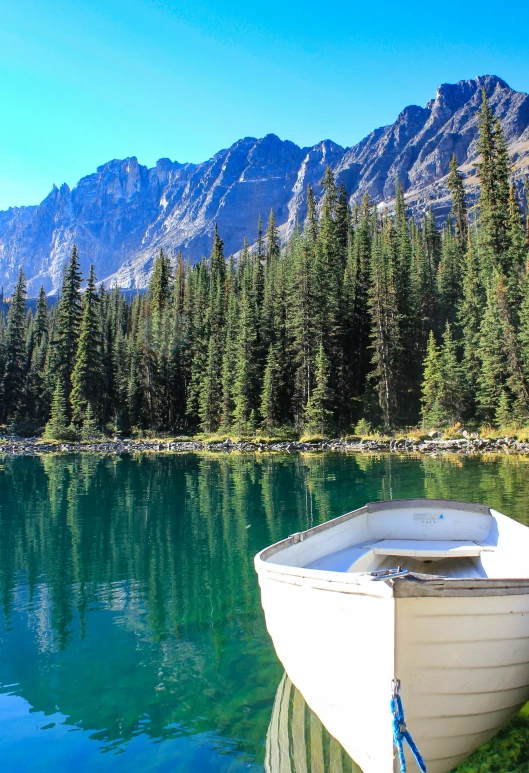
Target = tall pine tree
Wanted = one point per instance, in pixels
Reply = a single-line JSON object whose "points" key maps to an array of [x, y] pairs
{"points": [[459, 207], [15, 353], [87, 375], [493, 171], [211, 386], [66, 332]]}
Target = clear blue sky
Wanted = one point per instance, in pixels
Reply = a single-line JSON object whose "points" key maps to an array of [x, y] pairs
{"points": [[85, 82]]}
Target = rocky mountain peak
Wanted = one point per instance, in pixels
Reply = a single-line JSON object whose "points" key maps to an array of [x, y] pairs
{"points": [[123, 213], [454, 95]]}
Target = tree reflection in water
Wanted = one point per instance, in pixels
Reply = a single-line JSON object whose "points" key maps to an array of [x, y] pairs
{"points": [[129, 604]]}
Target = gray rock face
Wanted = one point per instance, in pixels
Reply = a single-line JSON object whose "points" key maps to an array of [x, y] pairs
{"points": [[120, 216]]}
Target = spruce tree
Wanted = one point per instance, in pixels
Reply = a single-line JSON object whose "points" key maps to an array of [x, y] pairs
{"points": [[523, 331], [15, 353], [258, 265], [330, 265], [423, 286], [229, 359], [87, 374], [109, 322], [2, 356], [160, 287], [432, 240], [470, 313], [449, 277], [272, 240], [148, 371], [403, 253], [161, 386], [503, 416], [517, 380], [432, 384], [66, 332], [38, 398], [494, 370], [197, 300], [257, 261], [355, 313], [459, 207], [178, 374], [179, 286], [518, 253], [281, 337], [211, 386], [453, 387], [400, 251], [89, 429], [343, 223], [134, 388], [270, 307], [245, 372], [443, 385], [493, 170], [311, 222], [526, 198], [120, 354], [260, 249], [41, 318], [385, 335], [302, 304], [58, 427], [317, 412], [270, 410]]}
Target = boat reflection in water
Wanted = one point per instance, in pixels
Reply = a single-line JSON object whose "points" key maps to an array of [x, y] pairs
{"points": [[297, 742]]}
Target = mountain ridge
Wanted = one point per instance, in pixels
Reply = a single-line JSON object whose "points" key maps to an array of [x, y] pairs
{"points": [[120, 215]]}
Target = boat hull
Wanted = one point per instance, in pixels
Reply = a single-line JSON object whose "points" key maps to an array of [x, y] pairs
{"points": [[462, 661], [337, 649]]}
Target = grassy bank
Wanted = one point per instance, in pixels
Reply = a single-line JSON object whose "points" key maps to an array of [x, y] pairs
{"points": [[415, 434], [289, 435]]}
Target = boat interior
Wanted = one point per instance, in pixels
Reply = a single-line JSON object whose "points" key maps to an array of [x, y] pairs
{"points": [[433, 537]]}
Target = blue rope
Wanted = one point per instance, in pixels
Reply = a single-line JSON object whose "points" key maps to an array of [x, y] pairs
{"points": [[401, 732]]}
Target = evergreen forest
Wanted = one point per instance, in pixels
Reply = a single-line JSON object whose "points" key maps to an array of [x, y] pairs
{"points": [[363, 319]]}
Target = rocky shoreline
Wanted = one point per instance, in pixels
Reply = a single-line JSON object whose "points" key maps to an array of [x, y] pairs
{"points": [[16, 446]]}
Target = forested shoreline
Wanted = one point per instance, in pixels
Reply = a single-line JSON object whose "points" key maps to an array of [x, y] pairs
{"points": [[362, 320]]}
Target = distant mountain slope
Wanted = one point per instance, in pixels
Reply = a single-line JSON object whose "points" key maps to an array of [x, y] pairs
{"points": [[121, 215]]}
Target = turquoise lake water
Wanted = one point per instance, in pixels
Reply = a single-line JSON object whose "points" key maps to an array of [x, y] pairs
{"points": [[131, 631]]}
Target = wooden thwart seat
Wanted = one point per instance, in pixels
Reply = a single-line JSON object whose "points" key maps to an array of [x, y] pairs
{"points": [[426, 549]]}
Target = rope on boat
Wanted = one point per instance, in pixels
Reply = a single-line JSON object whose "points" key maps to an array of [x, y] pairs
{"points": [[401, 732]]}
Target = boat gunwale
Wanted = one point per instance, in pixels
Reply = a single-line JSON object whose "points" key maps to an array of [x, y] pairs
{"points": [[461, 586], [370, 507], [344, 582], [363, 584]]}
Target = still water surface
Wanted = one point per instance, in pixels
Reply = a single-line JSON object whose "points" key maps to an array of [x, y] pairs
{"points": [[131, 632]]}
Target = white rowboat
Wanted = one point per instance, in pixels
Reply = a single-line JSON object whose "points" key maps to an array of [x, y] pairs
{"points": [[452, 626]]}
